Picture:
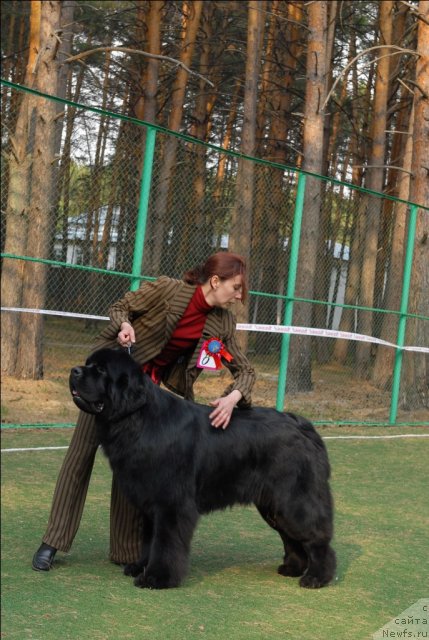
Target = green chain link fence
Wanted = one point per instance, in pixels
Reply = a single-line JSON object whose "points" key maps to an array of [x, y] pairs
{"points": [[135, 201]]}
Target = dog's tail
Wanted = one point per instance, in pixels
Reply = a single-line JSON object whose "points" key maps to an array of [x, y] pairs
{"points": [[307, 428]]}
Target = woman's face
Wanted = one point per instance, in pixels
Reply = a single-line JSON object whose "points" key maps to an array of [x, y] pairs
{"points": [[226, 292]]}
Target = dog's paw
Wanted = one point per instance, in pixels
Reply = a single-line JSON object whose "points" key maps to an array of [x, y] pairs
{"points": [[149, 581], [291, 569], [133, 569], [312, 582]]}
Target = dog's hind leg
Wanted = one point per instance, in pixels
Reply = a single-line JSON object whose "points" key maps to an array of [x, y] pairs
{"points": [[309, 556], [321, 567], [308, 539], [169, 552], [295, 559]]}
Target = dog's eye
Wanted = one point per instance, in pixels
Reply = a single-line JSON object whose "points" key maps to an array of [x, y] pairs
{"points": [[100, 369]]}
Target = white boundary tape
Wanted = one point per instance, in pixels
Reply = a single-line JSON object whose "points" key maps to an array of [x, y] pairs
{"points": [[399, 435], [391, 437], [324, 333], [33, 449], [66, 314], [265, 328]]}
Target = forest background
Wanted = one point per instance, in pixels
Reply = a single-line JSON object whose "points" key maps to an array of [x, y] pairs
{"points": [[338, 89]]}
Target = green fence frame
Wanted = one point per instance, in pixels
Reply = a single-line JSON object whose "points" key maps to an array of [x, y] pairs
{"points": [[136, 277]]}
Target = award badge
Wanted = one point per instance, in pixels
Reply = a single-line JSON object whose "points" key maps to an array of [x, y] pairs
{"points": [[211, 354]]}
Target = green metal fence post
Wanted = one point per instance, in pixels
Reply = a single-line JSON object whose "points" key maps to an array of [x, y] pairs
{"points": [[403, 311], [290, 290], [143, 208]]}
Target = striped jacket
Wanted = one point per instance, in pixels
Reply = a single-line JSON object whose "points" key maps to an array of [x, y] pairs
{"points": [[154, 310]]}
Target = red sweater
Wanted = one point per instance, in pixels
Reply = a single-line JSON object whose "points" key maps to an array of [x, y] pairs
{"points": [[184, 337]]}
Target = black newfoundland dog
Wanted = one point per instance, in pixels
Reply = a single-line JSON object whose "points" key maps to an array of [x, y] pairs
{"points": [[174, 466]]}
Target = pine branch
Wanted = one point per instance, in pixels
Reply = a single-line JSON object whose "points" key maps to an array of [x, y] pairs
{"points": [[84, 54], [399, 50]]}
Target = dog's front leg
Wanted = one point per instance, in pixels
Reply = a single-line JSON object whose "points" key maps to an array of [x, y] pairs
{"points": [[136, 568], [174, 526]]}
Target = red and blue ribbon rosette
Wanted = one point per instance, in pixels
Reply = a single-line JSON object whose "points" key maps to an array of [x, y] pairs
{"points": [[212, 352]]}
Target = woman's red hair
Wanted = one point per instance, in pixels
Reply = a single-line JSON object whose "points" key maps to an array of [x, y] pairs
{"points": [[223, 264]]}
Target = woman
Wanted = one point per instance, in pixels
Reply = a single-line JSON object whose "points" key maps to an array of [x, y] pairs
{"points": [[175, 327]]}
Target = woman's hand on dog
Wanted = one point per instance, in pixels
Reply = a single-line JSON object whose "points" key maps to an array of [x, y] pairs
{"points": [[221, 416]]}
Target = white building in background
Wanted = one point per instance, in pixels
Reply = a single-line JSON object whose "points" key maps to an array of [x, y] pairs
{"points": [[76, 236], [341, 257]]}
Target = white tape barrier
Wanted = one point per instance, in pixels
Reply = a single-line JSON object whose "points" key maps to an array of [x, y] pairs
{"points": [[66, 314], [265, 328], [325, 333], [18, 450]]}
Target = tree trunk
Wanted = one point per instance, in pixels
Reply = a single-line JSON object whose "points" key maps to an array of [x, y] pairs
{"points": [[146, 108], [96, 198], [30, 345], [358, 158], [271, 210], [385, 357], [195, 235], [374, 182], [241, 215], [299, 373], [327, 237], [193, 14], [8, 68], [224, 159], [240, 239], [415, 385], [17, 208], [121, 152], [64, 115], [64, 173], [267, 82]]}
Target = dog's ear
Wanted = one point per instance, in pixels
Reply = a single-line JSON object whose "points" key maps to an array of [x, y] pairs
{"points": [[131, 385], [127, 392]]}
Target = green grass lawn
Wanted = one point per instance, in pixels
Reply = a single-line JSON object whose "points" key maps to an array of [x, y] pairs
{"points": [[232, 591]]}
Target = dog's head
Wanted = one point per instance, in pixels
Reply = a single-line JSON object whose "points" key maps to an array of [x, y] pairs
{"points": [[111, 384]]}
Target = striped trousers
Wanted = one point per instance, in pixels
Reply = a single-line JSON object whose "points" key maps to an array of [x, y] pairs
{"points": [[70, 494]]}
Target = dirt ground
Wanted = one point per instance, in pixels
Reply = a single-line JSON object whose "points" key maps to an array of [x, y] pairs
{"points": [[336, 397]]}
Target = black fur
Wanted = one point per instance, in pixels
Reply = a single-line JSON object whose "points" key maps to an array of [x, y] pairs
{"points": [[174, 466]]}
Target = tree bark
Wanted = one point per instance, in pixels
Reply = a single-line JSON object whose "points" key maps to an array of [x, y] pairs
{"points": [[375, 183], [146, 107], [193, 14], [385, 356], [327, 237], [415, 383], [299, 373], [17, 208], [195, 237], [241, 216], [240, 238], [358, 158], [30, 345], [221, 170], [271, 211]]}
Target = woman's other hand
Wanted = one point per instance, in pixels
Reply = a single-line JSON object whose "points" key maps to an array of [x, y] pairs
{"points": [[221, 416]]}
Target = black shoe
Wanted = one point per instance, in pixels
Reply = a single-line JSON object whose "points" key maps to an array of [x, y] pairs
{"points": [[43, 558]]}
